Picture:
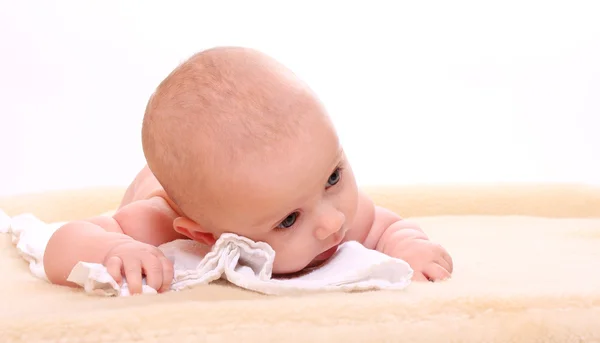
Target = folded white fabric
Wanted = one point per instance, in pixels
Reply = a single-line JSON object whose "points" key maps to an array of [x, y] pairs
{"points": [[238, 260], [30, 236]]}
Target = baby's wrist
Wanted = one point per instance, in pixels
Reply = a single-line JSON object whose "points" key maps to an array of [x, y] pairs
{"points": [[112, 239]]}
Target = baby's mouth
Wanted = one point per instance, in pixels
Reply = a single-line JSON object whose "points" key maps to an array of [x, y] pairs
{"points": [[325, 255]]}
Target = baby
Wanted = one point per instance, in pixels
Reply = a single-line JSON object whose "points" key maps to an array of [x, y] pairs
{"points": [[235, 142]]}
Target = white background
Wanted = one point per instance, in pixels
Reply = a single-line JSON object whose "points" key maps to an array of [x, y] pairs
{"points": [[421, 91]]}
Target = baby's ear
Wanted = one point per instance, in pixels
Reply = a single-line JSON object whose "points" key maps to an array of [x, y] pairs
{"points": [[191, 229]]}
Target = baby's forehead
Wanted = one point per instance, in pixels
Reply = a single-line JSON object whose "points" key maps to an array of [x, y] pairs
{"points": [[275, 179]]}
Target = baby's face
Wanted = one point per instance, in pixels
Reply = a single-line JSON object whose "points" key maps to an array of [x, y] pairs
{"points": [[300, 201]]}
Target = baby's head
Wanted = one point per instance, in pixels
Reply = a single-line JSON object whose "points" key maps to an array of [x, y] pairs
{"points": [[241, 145]]}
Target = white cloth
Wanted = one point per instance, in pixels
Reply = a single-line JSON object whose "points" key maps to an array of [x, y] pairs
{"points": [[240, 261]]}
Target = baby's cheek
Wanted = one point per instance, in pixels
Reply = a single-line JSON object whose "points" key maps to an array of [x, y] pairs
{"points": [[350, 207]]}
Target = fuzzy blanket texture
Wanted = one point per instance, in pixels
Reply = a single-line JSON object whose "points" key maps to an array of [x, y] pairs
{"points": [[526, 270]]}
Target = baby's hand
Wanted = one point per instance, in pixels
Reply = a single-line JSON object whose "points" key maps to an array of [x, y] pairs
{"points": [[135, 259], [429, 260]]}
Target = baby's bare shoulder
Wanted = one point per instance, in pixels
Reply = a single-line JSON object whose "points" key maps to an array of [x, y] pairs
{"points": [[144, 186], [146, 213]]}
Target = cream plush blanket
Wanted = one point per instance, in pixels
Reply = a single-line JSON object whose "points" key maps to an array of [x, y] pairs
{"points": [[526, 270]]}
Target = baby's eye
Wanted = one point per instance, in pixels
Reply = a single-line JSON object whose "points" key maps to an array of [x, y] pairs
{"points": [[288, 221], [334, 177]]}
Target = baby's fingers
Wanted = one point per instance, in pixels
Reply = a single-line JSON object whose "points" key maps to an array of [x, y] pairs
{"points": [[448, 259], [435, 272], [153, 269], [418, 276], [133, 274], [114, 267], [445, 261], [168, 274]]}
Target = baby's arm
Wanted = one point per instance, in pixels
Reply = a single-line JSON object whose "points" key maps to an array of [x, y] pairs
{"points": [[147, 221], [387, 232]]}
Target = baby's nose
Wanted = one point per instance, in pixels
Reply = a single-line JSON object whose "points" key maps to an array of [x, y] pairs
{"points": [[330, 223]]}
